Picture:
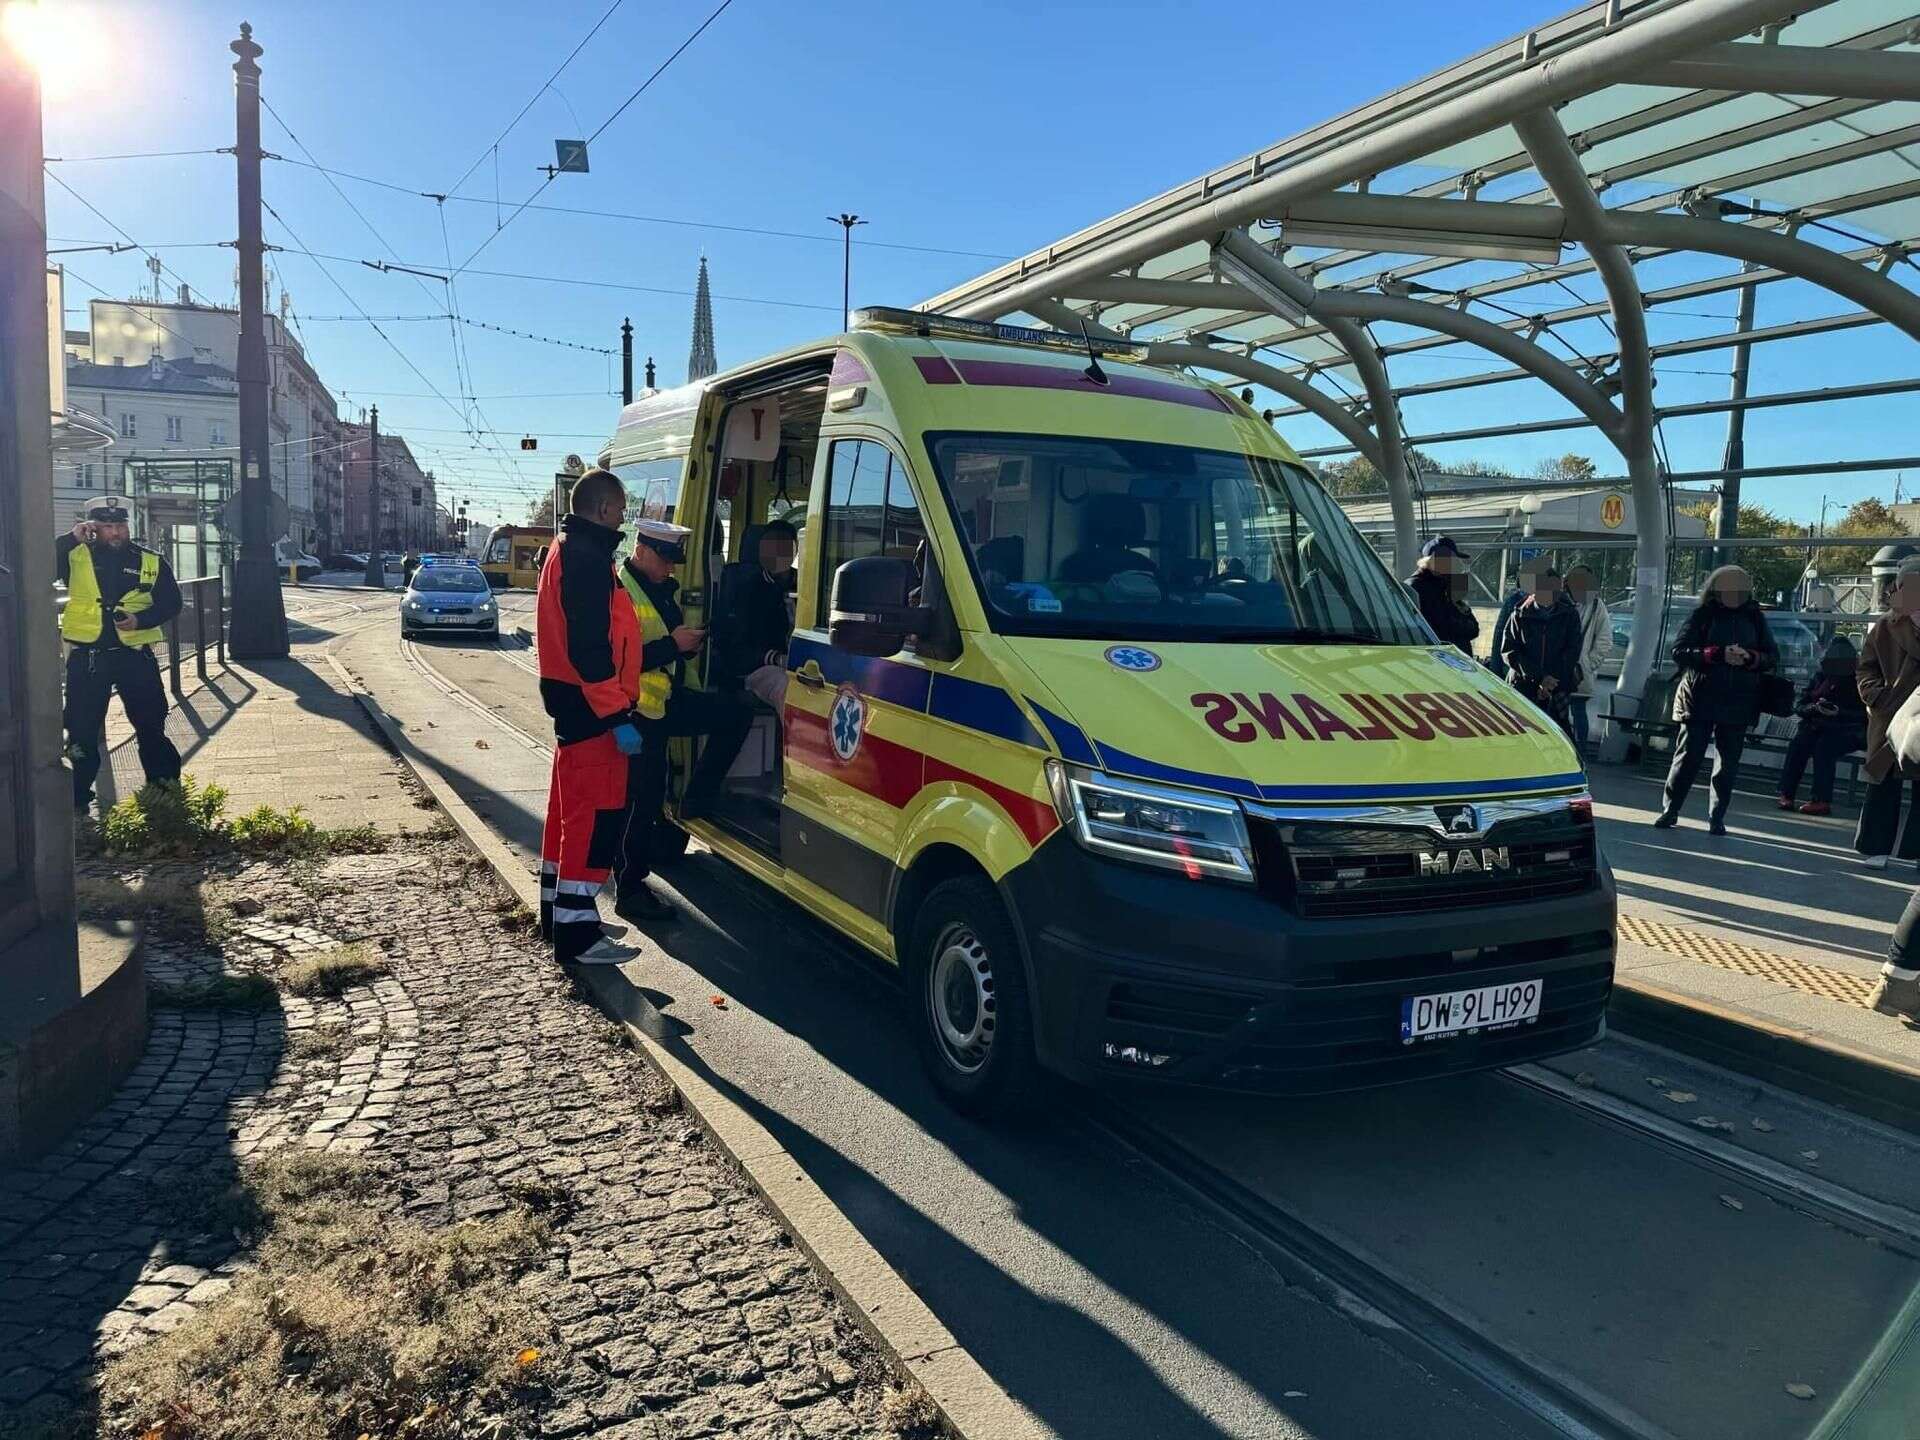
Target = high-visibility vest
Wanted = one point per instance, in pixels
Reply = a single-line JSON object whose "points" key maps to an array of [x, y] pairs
{"points": [[655, 685], [85, 617]]}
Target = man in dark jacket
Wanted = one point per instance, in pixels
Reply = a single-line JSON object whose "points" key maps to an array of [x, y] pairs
{"points": [[752, 621], [1833, 722], [1722, 651], [1439, 583], [1522, 587], [119, 595], [1541, 648]]}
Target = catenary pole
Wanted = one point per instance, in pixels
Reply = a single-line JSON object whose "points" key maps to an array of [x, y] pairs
{"points": [[376, 564], [259, 623]]}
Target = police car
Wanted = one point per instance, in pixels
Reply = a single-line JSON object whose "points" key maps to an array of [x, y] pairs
{"points": [[448, 592]]}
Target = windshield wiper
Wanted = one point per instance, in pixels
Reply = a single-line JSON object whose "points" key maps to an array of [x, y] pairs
{"points": [[1308, 635]]}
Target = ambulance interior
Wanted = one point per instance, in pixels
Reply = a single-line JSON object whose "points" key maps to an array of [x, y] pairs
{"points": [[769, 440]]}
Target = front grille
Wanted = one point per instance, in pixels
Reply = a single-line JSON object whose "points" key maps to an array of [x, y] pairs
{"points": [[1325, 872]]}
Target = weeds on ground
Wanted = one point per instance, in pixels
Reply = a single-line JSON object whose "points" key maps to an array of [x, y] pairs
{"points": [[179, 817], [909, 1412], [334, 972], [221, 992], [186, 817], [352, 1323], [167, 906], [514, 917], [320, 1042]]}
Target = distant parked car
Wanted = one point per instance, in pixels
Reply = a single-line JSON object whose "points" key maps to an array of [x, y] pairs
{"points": [[1799, 647]]}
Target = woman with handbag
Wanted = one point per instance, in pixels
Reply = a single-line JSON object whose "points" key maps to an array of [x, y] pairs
{"points": [[1724, 651], [1889, 673]]}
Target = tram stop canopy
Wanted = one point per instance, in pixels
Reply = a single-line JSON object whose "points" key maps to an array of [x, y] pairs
{"points": [[1614, 166]]}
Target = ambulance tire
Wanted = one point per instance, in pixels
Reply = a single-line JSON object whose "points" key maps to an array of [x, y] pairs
{"points": [[668, 843], [973, 1017]]}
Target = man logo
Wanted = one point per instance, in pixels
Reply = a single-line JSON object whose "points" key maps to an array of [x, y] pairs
{"points": [[1465, 820], [1465, 862]]}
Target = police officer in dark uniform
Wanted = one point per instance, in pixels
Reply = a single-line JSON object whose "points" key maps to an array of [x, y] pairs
{"points": [[119, 595], [667, 709]]}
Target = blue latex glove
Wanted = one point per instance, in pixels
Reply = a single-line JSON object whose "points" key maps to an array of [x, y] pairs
{"points": [[627, 737]]}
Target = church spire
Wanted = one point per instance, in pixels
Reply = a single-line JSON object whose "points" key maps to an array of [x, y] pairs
{"points": [[701, 361]]}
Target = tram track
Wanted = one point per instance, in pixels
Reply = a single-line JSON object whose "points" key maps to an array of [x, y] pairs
{"points": [[1394, 1306]]}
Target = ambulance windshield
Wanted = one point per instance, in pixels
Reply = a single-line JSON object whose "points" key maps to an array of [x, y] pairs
{"points": [[1127, 540]]}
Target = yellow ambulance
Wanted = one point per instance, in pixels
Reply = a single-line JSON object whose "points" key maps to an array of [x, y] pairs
{"points": [[1105, 726]]}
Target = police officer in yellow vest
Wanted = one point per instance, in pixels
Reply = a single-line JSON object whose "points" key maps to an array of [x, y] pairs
{"points": [[119, 595], [667, 709]]}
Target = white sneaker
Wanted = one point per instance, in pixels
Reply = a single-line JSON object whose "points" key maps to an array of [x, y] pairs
{"points": [[1875, 862], [606, 951]]}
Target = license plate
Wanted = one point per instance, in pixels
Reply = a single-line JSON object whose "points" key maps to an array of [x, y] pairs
{"points": [[450, 619], [1492, 1007]]}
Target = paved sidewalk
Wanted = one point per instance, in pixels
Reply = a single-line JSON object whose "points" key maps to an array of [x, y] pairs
{"points": [[469, 1071], [280, 733]]}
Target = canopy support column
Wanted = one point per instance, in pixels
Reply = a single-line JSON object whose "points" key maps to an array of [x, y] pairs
{"points": [[1554, 157], [1372, 370]]}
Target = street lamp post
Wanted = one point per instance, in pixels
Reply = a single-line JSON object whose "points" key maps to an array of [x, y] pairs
{"points": [[846, 223]]}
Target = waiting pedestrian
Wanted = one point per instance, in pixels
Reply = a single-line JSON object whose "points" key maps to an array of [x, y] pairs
{"points": [[1596, 646], [1522, 588], [1898, 993], [1722, 651], [119, 595], [1541, 648], [1833, 723], [1439, 584], [588, 643], [1889, 673]]}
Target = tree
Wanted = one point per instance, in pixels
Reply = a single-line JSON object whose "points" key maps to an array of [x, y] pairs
{"points": [[542, 514], [1774, 572], [1865, 518], [1569, 469], [1359, 477]]}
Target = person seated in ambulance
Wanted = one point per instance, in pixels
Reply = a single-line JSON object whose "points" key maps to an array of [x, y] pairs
{"points": [[753, 617], [1114, 523]]}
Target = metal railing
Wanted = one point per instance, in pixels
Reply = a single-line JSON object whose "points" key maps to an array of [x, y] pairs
{"points": [[201, 625]]}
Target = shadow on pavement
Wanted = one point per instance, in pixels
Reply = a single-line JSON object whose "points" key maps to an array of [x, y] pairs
{"points": [[1076, 1373]]}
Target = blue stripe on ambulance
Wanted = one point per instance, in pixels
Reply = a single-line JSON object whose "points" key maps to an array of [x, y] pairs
{"points": [[967, 703]]}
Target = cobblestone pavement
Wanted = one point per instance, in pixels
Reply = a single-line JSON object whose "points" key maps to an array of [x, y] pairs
{"points": [[478, 1079]]}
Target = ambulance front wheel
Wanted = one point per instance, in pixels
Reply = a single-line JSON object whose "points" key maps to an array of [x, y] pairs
{"points": [[974, 1018]]}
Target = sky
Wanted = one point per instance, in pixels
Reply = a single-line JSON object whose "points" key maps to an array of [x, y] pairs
{"points": [[964, 134]]}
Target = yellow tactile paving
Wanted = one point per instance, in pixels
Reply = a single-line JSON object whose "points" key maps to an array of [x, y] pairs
{"points": [[1819, 980]]}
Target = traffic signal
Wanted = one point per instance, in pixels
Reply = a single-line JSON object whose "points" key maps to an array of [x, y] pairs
{"points": [[527, 442]]}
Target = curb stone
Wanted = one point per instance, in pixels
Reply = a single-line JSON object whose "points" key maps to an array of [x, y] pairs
{"points": [[971, 1405]]}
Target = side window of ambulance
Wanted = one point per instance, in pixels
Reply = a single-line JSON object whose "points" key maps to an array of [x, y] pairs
{"points": [[870, 510]]}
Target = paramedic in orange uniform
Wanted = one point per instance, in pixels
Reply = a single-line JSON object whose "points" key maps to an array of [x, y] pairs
{"points": [[588, 641]]}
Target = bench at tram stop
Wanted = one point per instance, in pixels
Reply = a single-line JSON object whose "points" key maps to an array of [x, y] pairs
{"points": [[1654, 733]]}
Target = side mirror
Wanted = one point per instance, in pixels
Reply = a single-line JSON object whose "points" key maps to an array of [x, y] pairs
{"points": [[871, 614]]}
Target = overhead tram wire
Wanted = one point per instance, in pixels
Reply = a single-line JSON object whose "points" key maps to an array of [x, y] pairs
{"points": [[766, 232], [459, 373], [124, 235], [645, 85], [348, 296], [545, 85], [131, 155]]}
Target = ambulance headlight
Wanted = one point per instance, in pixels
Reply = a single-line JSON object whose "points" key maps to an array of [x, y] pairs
{"points": [[1197, 834]]}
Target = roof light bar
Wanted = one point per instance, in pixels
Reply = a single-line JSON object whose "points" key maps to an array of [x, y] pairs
{"points": [[886, 319]]}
